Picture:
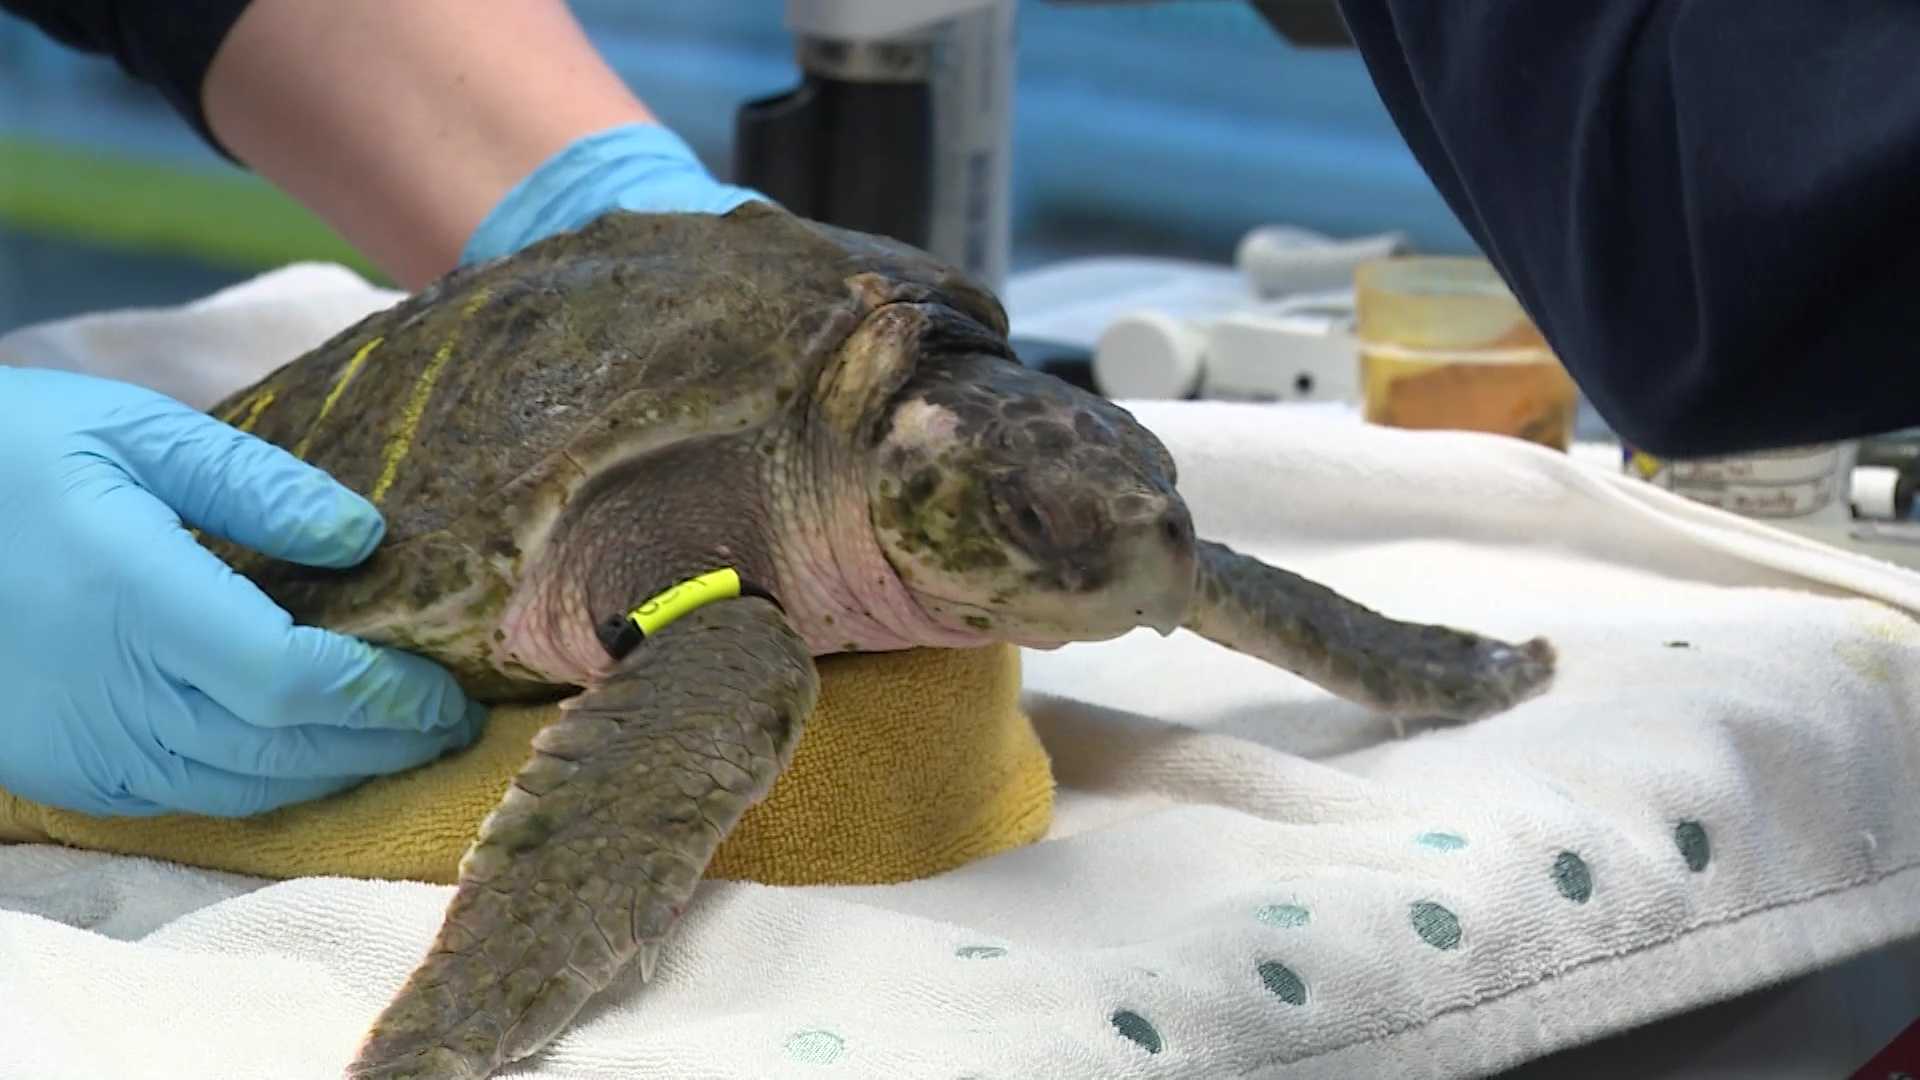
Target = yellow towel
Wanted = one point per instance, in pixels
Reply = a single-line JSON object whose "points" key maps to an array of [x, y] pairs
{"points": [[914, 763]]}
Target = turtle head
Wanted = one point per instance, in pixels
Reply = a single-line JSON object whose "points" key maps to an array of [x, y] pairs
{"points": [[1018, 506]]}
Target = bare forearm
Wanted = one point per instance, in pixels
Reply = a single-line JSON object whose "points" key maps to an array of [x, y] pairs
{"points": [[403, 124]]}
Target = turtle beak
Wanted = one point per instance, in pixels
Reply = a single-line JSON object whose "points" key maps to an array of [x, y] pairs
{"points": [[1169, 611], [1164, 628], [1165, 567]]}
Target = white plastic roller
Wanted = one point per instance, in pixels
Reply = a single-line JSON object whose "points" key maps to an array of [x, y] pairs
{"points": [[1149, 355], [1875, 493]]}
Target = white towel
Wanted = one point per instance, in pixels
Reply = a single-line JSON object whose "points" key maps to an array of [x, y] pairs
{"points": [[1247, 878]]}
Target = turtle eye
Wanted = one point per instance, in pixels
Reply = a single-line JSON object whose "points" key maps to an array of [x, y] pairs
{"points": [[1029, 519]]}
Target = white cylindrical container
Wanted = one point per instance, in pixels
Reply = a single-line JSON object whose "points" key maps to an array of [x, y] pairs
{"points": [[1149, 355]]}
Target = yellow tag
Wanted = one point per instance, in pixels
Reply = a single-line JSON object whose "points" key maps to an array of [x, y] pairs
{"points": [[687, 596], [1645, 465]]}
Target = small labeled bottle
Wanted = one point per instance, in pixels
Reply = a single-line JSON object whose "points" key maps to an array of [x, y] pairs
{"points": [[1791, 482]]}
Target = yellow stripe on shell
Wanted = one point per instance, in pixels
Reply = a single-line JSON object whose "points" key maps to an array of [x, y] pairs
{"points": [[408, 428], [253, 407], [333, 395]]}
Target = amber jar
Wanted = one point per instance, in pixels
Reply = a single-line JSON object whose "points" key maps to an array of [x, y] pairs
{"points": [[1444, 344]]}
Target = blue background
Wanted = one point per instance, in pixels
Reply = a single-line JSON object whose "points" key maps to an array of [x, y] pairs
{"points": [[1160, 128]]}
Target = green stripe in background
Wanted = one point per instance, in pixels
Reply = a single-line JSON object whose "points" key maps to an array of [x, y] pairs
{"points": [[223, 218]]}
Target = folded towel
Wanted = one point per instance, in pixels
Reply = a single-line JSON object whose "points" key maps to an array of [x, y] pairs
{"points": [[915, 763]]}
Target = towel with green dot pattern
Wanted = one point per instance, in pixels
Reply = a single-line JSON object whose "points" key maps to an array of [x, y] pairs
{"points": [[1245, 878]]}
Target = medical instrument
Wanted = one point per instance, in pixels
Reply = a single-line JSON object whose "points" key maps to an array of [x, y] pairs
{"points": [[1298, 349], [902, 123], [1284, 260]]}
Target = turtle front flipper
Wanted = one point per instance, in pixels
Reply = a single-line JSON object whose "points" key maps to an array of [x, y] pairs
{"points": [[599, 843], [1400, 668]]}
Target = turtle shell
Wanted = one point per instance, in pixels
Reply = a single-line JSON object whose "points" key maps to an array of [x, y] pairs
{"points": [[469, 411]]}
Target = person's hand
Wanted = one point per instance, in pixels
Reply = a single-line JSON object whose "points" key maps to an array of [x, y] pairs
{"points": [[141, 675], [642, 167]]}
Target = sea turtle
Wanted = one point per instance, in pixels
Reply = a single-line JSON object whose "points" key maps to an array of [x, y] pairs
{"points": [[827, 436]]}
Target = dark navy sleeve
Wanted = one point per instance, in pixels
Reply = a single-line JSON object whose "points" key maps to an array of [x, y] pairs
{"points": [[166, 43], [1711, 207]]}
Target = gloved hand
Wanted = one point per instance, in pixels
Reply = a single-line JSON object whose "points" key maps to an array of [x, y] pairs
{"points": [[643, 167], [138, 673]]}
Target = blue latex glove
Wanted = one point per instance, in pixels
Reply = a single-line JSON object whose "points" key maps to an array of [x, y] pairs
{"points": [[138, 673], [641, 167]]}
